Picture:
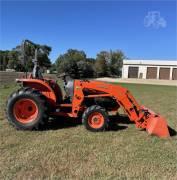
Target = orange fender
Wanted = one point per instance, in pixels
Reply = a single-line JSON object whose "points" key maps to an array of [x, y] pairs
{"points": [[43, 86]]}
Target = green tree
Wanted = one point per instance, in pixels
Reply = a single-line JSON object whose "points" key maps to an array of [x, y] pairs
{"points": [[13, 60], [29, 52], [22, 55], [101, 64], [3, 60], [53, 68], [116, 62], [90, 60], [68, 62], [109, 63], [85, 69]]}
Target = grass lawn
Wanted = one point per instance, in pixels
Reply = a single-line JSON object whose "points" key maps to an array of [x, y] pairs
{"points": [[68, 151]]}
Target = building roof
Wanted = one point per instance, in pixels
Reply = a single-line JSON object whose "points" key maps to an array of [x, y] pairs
{"points": [[150, 62]]}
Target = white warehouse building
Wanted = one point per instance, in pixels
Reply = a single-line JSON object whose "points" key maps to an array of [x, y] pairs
{"points": [[150, 69]]}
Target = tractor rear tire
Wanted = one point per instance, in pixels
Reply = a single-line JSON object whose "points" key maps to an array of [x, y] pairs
{"points": [[27, 109], [95, 118]]}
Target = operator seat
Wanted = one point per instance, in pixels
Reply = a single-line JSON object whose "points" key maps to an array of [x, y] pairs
{"points": [[68, 87]]}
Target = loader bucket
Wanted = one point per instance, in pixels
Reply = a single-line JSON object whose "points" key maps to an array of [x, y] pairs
{"points": [[157, 125]]}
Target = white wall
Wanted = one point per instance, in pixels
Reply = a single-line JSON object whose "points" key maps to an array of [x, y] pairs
{"points": [[125, 71], [143, 70]]}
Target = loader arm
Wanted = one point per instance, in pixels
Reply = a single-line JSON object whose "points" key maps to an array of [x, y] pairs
{"points": [[141, 116]]}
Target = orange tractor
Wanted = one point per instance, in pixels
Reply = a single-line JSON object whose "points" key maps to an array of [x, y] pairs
{"points": [[39, 98]]}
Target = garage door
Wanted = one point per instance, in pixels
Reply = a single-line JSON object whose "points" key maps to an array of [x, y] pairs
{"points": [[151, 73], [164, 73], [174, 74], [133, 72]]}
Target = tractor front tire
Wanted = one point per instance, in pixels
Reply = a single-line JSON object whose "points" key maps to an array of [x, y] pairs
{"points": [[95, 118], [26, 109]]}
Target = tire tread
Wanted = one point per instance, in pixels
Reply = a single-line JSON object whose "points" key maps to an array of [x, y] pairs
{"points": [[41, 100]]}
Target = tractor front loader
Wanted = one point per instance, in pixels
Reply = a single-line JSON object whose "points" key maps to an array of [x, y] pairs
{"points": [[30, 106], [39, 98]]}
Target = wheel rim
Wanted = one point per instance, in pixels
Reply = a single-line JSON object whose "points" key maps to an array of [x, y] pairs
{"points": [[96, 120], [25, 110]]}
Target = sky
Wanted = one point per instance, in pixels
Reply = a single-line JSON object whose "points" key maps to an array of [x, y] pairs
{"points": [[141, 29]]}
